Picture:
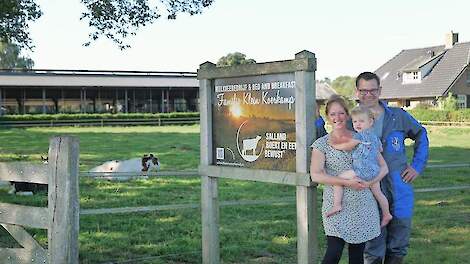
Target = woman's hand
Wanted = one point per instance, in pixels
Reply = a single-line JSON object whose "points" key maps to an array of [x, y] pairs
{"points": [[368, 184], [356, 184]]}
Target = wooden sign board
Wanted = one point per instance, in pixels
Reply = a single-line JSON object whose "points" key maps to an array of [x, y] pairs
{"points": [[253, 122], [257, 123]]}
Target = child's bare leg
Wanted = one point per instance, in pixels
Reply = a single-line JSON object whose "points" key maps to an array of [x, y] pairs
{"points": [[383, 202], [337, 200], [338, 193]]}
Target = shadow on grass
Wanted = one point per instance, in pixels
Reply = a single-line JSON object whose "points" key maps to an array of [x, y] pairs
{"points": [[441, 228], [176, 151], [449, 155]]}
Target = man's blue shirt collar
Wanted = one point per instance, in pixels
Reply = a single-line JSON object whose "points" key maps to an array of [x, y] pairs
{"points": [[385, 106]]}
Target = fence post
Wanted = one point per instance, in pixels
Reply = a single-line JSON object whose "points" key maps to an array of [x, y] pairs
{"points": [[305, 94], [209, 185], [63, 200]]}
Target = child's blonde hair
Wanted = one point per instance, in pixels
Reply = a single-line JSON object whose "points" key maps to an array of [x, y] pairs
{"points": [[362, 110]]}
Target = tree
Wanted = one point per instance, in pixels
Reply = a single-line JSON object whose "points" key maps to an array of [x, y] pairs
{"points": [[326, 80], [344, 85], [235, 58], [14, 18], [448, 103], [10, 57], [113, 19]]}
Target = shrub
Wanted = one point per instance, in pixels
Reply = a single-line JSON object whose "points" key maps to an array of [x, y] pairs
{"points": [[97, 116], [448, 103], [423, 106], [429, 114], [461, 115]]}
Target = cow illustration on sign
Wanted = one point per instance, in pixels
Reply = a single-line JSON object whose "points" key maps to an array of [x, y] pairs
{"points": [[248, 146]]}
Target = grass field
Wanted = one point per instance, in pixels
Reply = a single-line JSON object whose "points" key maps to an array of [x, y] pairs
{"points": [[249, 233], [177, 147]]}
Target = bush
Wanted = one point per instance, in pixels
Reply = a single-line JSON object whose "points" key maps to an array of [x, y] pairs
{"points": [[423, 106], [97, 116], [462, 115], [448, 103], [429, 114]]}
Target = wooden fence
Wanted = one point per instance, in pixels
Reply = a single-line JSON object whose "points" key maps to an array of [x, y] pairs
{"points": [[149, 122], [102, 122], [60, 218]]}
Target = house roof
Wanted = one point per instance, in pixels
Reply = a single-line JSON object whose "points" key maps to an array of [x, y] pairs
{"points": [[324, 91], [436, 83]]}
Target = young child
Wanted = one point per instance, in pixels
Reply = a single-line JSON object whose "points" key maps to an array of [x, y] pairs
{"points": [[366, 148]]}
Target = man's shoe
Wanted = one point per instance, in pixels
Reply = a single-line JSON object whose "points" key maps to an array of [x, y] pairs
{"points": [[376, 260], [393, 260]]}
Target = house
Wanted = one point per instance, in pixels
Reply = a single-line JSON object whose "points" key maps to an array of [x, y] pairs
{"points": [[422, 75], [323, 92]]}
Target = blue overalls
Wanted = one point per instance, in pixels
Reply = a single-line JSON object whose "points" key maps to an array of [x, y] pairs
{"points": [[320, 127], [397, 126]]}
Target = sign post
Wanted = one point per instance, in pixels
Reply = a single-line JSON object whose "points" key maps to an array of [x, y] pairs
{"points": [[257, 123]]}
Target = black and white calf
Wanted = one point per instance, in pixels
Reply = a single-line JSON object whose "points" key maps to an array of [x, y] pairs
{"points": [[27, 188], [144, 164]]}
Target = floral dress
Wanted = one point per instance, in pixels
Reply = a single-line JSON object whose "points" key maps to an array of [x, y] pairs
{"points": [[358, 221], [364, 155]]}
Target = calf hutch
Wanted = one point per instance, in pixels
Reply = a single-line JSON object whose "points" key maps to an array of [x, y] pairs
{"points": [[257, 123]]}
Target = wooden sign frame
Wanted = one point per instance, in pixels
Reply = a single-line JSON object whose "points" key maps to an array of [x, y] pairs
{"points": [[303, 67]]}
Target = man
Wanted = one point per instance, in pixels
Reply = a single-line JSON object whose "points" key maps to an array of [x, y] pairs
{"points": [[319, 123], [392, 125]]}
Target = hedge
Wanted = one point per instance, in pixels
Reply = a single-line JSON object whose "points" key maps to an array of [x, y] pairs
{"points": [[462, 115], [98, 116]]}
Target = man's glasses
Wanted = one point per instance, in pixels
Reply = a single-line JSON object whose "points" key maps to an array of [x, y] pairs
{"points": [[371, 92]]}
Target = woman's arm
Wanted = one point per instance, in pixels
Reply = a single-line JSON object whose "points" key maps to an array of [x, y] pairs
{"points": [[318, 174], [348, 146], [383, 170]]}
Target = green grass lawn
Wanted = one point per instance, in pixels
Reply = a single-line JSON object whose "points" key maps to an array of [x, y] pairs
{"points": [[175, 146], [248, 234]]}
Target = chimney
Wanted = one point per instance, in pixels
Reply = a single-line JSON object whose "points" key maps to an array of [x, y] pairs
{"points": [[451, 39]]}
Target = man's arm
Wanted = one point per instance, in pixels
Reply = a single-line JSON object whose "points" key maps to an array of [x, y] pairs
{"points": [[320, 127], [417, 133]]}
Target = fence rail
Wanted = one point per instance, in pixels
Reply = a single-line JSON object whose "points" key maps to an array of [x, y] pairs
{"points": [[102, 122], [136, 175], [60, 217], [444, 123], [195, 172], [446, 166], [231, 203], [152, 122]]}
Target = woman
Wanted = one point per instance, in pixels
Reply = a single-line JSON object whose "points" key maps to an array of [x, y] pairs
{"points": [[358, 221]]}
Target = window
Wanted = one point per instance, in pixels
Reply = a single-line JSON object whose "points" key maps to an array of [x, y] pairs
{"points": [[411, 77], [461, 101]]}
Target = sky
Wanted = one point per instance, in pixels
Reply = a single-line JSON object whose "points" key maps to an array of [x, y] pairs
{"points": [[347, 37]]}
